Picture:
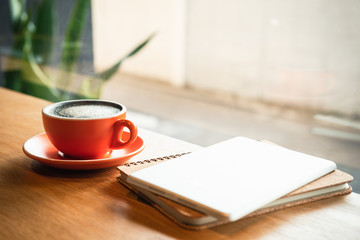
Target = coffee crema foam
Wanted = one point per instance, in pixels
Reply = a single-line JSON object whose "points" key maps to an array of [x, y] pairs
{"points": [[85, 110]]}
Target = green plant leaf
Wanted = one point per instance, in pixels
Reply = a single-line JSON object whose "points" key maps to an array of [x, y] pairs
{"points": [[17, 9], [42, 39], [19, 21], [72, 42], [31, 69], [107, 74]]}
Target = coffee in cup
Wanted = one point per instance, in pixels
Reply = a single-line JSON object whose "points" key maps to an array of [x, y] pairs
{"points": [[87, 129]]}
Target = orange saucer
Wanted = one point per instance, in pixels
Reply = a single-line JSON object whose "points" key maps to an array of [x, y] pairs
{"points": [[40, 149]]}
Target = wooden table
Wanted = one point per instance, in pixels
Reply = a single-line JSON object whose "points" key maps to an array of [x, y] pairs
{"points": [[39, 202]]}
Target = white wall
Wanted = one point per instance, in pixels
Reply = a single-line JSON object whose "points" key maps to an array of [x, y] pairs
{"points": [[304, 53]]}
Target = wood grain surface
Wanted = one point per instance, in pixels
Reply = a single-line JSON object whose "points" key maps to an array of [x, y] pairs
{"points": [[39, 202]]}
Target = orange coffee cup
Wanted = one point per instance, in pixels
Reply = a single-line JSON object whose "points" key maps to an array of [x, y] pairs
{"points": [[87, 129]]}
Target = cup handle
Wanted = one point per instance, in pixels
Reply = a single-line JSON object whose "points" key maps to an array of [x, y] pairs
{"points": [[119, 126]]}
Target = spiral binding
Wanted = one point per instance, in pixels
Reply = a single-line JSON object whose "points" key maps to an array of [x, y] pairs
{"points": [[155, 159]]}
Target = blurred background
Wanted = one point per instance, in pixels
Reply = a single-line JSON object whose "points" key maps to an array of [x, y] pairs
{"points": [[201, 71]]}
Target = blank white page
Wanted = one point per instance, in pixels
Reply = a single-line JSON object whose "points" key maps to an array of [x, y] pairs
{"points": [[233, 178]]}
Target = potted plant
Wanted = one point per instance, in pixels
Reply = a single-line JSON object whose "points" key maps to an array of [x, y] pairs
{"points": [[33, 25]]}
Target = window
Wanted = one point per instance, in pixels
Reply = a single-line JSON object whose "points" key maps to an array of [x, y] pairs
{"points": [[284, 71]]}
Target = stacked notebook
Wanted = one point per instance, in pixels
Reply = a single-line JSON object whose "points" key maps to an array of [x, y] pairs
{"points": [[232, 180]]}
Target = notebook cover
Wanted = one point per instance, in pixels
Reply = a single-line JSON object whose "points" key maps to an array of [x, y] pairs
{"points": [[179, 213]]}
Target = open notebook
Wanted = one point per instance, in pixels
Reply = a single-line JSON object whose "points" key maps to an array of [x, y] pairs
{"points": [[192, 216]]}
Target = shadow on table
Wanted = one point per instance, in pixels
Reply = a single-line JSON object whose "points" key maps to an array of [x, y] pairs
{"points": [[44, 170]]}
